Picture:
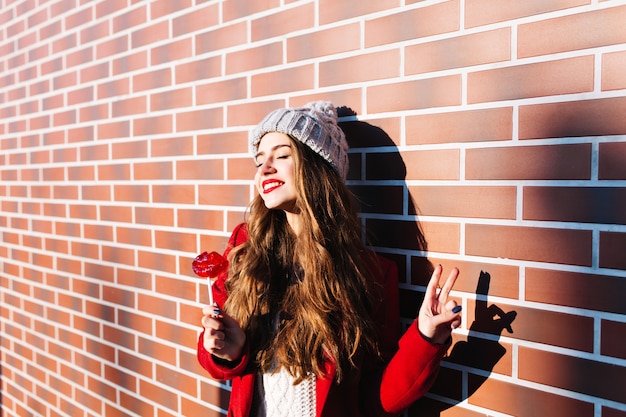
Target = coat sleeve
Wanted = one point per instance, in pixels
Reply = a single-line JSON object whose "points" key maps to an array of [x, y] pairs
{"points": [[220, 369], [217, 368], [411, 372], [413, 362]]}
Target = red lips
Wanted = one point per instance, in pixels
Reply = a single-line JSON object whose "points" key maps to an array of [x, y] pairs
{"points": [[270, 185], [209, 264]]}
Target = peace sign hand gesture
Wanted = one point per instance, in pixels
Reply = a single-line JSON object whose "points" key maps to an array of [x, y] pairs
{"points": [[438, 315]]}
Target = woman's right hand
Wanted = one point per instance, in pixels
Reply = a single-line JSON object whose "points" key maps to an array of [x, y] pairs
{"points": [[223, 337]]}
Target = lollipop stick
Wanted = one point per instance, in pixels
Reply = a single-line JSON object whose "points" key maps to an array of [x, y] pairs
{"points": [[216, 309], [210, 265]]}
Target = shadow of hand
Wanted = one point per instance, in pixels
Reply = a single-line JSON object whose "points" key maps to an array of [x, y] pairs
{"points": [[480, 351]]}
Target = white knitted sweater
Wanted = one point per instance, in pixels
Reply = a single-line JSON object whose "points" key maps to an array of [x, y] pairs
{"points": [[277, 396]]}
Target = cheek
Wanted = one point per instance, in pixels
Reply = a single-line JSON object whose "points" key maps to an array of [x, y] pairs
{"points": [[290, 171]]}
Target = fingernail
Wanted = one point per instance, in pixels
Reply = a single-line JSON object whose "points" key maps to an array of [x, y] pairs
{"points": [[216, 309], [457, 309]]}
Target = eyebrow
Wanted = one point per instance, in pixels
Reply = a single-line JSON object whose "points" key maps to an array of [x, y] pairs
{"points": [[273, 148]]}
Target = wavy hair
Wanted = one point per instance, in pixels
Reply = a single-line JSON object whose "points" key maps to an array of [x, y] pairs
{"points": [[305, 299]]}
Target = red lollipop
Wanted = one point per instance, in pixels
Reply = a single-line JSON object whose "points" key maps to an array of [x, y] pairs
{"points": [[210, 265]]}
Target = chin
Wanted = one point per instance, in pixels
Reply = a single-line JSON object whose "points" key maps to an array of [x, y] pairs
{"points": [[272, 205]]}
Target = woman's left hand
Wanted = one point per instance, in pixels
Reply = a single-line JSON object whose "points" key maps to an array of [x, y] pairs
{"points": [[438, 315]]}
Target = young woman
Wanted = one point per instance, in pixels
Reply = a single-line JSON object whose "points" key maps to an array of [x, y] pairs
{"points": [[309, 322]]}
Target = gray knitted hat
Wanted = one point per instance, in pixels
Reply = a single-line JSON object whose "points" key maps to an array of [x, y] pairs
{"points": [[315, 125]]}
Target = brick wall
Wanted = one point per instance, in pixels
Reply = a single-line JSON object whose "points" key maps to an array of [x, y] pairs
{"points": [[496, 126]]}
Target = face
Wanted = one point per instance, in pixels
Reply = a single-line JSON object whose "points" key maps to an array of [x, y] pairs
{"points": [[275, 175]]}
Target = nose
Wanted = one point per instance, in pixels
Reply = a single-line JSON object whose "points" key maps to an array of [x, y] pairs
{"points": [[267, 166]]}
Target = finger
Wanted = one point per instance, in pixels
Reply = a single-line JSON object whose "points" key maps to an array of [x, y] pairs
{"points": [[207, 310], [214, 332], [210, 322], [451, 312], [454, 314], [433, 284], [213, 345], [448, 284], [456, 324], [453, 308], [218, 340]]}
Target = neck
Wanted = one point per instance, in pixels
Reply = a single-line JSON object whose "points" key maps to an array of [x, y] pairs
{"points": [[294, 221]]}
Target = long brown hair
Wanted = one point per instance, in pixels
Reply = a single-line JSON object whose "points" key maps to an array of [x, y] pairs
{"points": [[318, 284]]}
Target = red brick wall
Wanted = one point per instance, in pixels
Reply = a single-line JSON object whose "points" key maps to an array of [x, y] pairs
{"points": [[498, 125]]}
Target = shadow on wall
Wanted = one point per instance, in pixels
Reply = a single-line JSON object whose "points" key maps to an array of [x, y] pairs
{"points": [[481, 351], [384, 193]]}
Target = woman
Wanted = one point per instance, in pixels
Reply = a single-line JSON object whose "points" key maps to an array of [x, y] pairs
{"points": [[309, 324]]}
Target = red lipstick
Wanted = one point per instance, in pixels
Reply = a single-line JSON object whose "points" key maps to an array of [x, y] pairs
{"points": [[270, 185]]}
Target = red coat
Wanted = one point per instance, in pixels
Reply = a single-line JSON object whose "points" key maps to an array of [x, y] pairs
{"points": [[373, 389]]}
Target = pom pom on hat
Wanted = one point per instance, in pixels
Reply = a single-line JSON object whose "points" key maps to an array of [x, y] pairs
{"points": [[315, 125]]}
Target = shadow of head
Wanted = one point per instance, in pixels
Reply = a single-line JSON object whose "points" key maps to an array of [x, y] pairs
{"points": [[377, 178], [374, 157]]}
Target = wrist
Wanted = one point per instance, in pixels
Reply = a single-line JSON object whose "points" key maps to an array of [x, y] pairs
{"points": [[225, 362], [434, 340]]}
